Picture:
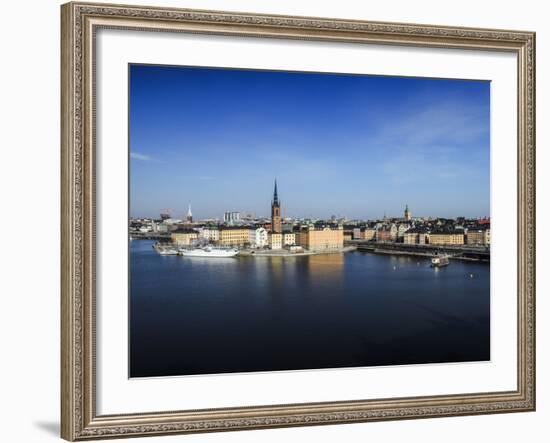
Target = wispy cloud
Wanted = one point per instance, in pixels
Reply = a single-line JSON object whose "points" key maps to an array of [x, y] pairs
{"points": [[431, 144], [444, 123], [138, 156], [143, 157]]}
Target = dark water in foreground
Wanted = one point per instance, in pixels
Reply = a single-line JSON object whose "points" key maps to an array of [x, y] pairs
{"points": [[203, 315]]}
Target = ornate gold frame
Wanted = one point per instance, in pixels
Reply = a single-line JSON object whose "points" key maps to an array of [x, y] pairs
{"points": [[79, 420]]}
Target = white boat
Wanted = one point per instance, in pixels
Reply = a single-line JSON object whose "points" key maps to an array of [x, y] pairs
{"points": [[439, 261], [165, 249], [208, 251]]}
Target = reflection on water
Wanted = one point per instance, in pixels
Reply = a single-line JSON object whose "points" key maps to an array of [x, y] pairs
{"points": [[326, 267], [193, 315]]}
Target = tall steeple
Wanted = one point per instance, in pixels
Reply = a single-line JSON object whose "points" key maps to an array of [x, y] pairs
{"points": [[408, 214], [275, 196], [276, 219], [189, 214]]}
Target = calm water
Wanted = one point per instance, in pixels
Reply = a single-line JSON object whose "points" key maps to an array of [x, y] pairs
{"points": [[200, 315]]}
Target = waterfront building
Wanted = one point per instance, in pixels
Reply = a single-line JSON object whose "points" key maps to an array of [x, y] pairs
{"points": [[383, 235], [234, 236], [411, 237], [184, 237], [289, 239], [275, 240], [478, 236], [415, 236], [320, 239], [210, 233], [393, 232], [401, 229], [423, 238], [451, 237], [231, 217], [348, 231], [369, 233], [408, 215], [348, 234], [189, 218], [276, 220], [258, 237]]}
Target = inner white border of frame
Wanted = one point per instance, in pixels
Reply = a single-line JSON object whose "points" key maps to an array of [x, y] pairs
{"points": [[116, 393]]}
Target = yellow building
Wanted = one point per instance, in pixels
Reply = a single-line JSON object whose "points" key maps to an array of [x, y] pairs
{"points": [[423, 238], [363, 234], [275, 240], [234, 236], [415, 236], [289, 239], [481, 237], [368, 234], [447, 238], [184, 237], [321, 239], [410, 238]]}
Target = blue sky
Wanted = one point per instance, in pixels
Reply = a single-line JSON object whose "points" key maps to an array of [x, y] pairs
{"points": [[355, 146]]}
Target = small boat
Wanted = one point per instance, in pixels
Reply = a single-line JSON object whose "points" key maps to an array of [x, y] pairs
{"points": [[440, 260], [208, 251], [165, 249]]}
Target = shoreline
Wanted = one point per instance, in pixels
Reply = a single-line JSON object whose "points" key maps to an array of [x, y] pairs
{"points": [[422, 254], [372, 249], [463, 254], [284, 253]]}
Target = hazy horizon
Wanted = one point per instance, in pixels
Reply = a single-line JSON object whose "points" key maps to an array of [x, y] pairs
{"points": [[344, 145]]}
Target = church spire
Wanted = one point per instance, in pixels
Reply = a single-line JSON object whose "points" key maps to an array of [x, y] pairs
{"points": [[276, 218], [275, 196], [407, 212]]}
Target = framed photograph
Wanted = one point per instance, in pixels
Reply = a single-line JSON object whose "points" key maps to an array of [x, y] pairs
{"points": [[283, 221]]}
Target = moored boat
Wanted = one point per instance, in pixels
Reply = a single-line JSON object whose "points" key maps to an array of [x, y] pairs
{"points": [[165, 249], [440, 260], [208, 251]]}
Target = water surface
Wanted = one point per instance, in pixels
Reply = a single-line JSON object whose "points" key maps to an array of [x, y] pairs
{"points": [[192, 315]]}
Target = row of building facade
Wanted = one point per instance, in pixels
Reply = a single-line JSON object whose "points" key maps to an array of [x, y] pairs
{"points": [[477, 236], [311, 238]]}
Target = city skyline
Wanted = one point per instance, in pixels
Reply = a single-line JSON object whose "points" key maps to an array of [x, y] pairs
{"points": [[353, 146], [184, 214]]}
